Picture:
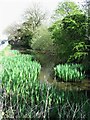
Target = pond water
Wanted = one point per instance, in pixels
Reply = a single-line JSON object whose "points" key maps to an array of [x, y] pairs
{"points": [[48, 61]]}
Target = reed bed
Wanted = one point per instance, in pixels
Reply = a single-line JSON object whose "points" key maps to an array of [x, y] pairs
{"points": [[24, 96]]}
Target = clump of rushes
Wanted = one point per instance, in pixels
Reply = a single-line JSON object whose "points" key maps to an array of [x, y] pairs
{"points": [[69, 72]]}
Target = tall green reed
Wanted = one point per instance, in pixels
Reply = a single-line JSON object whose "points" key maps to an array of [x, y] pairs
{"points": [[69, 72], [26, 97]]}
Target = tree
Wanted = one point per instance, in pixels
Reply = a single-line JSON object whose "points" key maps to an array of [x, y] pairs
{"points": [[86, 6], [34, 16], [11, 31], [71, 31], [42, 39], [66, 8], [75, 26], [19, 34], [23, 33]]}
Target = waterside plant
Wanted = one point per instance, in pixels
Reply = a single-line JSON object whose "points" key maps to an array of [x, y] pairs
{"points": [[69, 72]]}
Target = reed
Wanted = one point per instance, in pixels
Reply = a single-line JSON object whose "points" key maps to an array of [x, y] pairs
{"points": [[24, 96], [69, 72]]}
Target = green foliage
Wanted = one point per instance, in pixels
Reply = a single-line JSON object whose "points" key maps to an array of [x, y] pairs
{"points": [[42, 39], [66, 8], [68, 32], [24, 35], [69, 72], [60, 40], [16, 66], [72, 27], [75, 26], [80, 52], [56, 30], [20, 34]]}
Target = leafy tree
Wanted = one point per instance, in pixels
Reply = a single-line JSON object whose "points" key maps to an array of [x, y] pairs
{"points": [[71, 30], [25, 34], [66, 8], [19, 34], [75, 26], [80, 52], [42, 39], [65, 28], [60, 41]]}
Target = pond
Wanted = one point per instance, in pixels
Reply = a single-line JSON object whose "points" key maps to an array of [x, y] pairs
{"points": [[48, 61]]}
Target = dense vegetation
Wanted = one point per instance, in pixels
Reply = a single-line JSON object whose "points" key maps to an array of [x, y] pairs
{"points": [[68, 35], [24, 95], [69, 72], [71, 35]]}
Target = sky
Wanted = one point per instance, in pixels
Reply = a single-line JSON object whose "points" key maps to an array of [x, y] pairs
{"points": [[11, 11]]}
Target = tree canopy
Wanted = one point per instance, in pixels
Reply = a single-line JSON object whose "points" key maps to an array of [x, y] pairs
{"points": [[66, 8], [69, 32]]}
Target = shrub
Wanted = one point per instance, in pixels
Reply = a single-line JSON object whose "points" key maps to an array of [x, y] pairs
{"points": [[69, 72]]}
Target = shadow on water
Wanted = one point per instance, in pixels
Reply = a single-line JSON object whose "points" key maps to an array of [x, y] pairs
{"points": [[48, 61]]}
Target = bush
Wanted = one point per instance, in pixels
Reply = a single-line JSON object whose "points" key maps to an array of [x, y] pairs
{"points": [[69, 72]]}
